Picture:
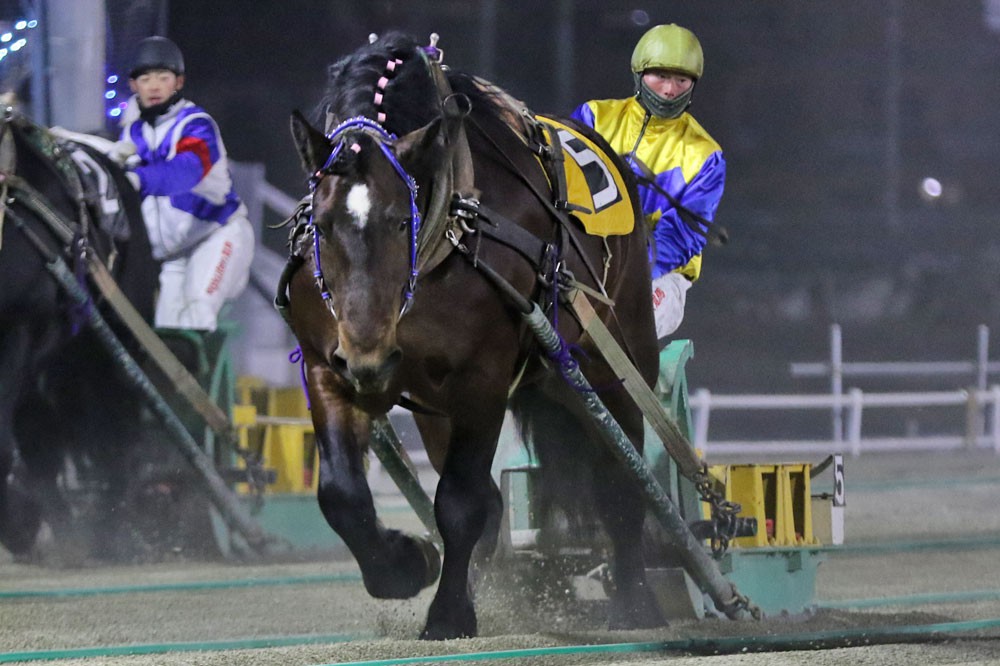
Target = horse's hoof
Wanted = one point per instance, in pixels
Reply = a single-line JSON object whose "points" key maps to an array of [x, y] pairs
{"points": [[410, 564], [643, 613], [440, 631], [429, 634], [454, 618]]}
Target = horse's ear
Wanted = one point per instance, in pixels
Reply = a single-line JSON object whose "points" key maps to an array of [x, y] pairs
{"points": [[424, 149], [421, 149], [312, 145]]}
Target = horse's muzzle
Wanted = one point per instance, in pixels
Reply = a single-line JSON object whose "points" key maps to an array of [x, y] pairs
{"points": [[369, 373]]}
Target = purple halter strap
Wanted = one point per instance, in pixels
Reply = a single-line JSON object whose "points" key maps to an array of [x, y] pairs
{"points": [[383, 139]]}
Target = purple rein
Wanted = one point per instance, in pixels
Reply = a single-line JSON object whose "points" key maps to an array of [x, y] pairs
{"points": [[383, 139]]}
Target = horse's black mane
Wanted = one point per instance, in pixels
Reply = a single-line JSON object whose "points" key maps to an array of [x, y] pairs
{"points": [[410, 98]]}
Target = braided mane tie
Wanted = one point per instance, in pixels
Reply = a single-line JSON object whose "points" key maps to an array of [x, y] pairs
{"points": [[390, 70]]}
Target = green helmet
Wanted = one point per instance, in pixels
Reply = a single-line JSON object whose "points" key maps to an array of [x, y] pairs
{"points": [[669, 47]]}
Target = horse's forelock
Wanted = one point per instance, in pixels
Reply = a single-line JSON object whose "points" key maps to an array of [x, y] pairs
{"points": [[409, 98], [354, 155]]}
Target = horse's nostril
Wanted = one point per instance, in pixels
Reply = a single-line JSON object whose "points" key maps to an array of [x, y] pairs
{"points": [[339, 363], [392, 362], [368, 374]]}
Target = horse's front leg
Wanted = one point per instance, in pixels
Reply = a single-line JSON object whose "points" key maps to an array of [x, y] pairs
{"points": [[393, 565], [464, 500]]}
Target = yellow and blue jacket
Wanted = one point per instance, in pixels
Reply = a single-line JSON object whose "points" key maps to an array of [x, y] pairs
{"points": [[685, 161]]}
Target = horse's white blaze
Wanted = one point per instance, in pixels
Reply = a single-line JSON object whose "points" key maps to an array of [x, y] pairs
{"points": [[359, 204]]}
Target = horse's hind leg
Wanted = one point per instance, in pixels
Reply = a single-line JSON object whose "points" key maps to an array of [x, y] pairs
{"points": [[574, 461], [622, 510]]}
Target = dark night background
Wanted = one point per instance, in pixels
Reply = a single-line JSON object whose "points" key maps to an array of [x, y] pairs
{"points": [[831, 114]]}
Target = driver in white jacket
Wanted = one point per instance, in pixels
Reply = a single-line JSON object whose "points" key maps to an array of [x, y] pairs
{"points": [[197, 225]]}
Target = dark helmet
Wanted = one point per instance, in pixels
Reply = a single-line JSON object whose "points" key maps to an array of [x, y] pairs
{"points": [[157, 53]]}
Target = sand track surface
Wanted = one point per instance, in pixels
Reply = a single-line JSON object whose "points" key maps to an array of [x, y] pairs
{"points": [[929, 499]]}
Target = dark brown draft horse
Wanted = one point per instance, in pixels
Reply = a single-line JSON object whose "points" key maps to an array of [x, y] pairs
{"points": [[60, 396], [377, 319]]}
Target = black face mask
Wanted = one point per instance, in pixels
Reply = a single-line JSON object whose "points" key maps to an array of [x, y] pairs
{"points": [[149, 114], [658, 106]]}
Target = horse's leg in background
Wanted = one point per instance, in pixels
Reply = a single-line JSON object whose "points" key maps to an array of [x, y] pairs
{"points": [[20, 512], [393, 565], [622, 509], [45, 432], [466, 496], [574, 461]]}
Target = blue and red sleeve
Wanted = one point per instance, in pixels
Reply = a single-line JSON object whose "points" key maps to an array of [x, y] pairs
{"points": [[196, 152]]}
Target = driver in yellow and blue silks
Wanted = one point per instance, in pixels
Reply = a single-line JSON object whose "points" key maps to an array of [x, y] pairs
{"points": [[664, 143]]}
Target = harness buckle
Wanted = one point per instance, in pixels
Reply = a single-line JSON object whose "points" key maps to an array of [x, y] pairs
{"points": [[549, 265], [455, 241], [571, 207], [466, 208]]}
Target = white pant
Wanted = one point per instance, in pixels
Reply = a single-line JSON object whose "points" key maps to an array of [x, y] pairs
{"points": [[194, 287], [669, 297]]}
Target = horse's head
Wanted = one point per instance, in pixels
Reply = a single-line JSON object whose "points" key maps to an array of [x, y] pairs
{"points": [[366, 219]]}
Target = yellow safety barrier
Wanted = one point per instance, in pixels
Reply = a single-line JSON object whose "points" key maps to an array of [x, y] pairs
{"points": [[275, 423], [778, 496]]}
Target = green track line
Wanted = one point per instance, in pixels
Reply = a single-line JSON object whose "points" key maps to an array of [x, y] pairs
{"points": [[962, 543], [715, 646], [703, 646], [184, 587], [846, 550], [913, 599], [164, 648], [877, 486]]}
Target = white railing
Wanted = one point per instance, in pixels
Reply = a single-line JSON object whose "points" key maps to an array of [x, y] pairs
{"points": [[853, 404], [847, 408], [976, 370]]}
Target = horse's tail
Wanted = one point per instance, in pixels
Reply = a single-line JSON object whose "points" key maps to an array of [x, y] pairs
{"points": [[563, 494]]}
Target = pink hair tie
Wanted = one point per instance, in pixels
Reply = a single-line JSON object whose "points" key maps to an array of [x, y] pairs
{"points": [[381, 83], [381, 117], [378, 99], [390, 66], [356, 148]]}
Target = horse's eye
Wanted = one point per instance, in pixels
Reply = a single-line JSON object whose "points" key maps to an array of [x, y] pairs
{"points": [[403, 223]]}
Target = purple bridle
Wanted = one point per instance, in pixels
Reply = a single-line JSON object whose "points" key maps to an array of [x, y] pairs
{"points": [[383, 139]]}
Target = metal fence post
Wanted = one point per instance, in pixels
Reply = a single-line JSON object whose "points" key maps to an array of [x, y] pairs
{"points": [[971, 417], [854, 421], [701, 408], [837, 381], [982, 371], [996, 418]]}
